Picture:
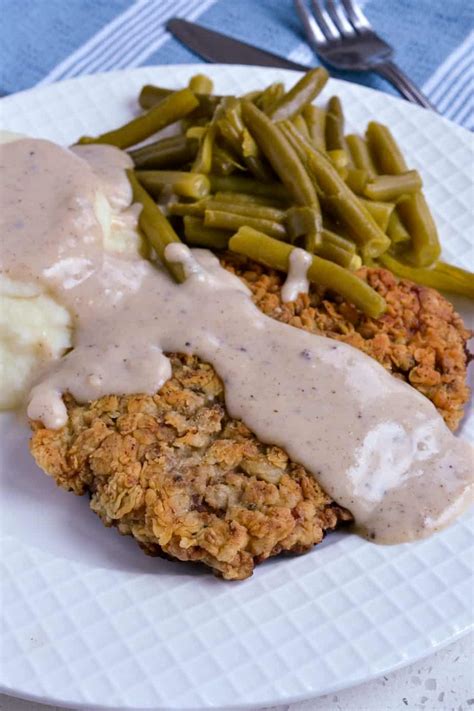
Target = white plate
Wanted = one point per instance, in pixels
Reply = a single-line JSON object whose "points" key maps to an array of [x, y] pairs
{"points": [[89, 621]]}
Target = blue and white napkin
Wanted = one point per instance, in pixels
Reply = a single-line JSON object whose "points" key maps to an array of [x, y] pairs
{"points": [[50, 40]]}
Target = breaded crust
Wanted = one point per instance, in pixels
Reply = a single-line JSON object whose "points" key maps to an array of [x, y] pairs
{"points": [[420, 338], [182, 477], [186, 480]]}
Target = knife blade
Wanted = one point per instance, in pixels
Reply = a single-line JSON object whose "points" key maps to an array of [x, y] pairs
{"points": [[215, 47]]}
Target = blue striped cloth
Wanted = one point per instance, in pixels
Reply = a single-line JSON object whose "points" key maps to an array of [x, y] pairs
{"points": [[50, 40]]}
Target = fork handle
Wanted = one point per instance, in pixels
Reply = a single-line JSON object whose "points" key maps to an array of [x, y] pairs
{"points": [[390, 71]]}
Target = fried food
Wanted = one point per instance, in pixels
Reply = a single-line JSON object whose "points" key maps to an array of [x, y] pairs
{"points": [[182, 477], [189, 482], [420, 338]]}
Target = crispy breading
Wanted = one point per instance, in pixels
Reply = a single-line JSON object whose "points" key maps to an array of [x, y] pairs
{"points": [[420, 339], [187, 481], [182, 477]]}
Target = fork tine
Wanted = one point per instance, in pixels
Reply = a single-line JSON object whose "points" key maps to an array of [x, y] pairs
{"points": [[313, 33], [356, 16], [339, 17], [324, 21]]}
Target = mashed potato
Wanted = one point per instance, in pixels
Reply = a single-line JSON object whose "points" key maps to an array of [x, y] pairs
{"points": [[34, 327]]}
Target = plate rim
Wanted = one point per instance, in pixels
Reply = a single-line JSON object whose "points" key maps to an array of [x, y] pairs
{"points": [[219, 65], [248, 706]]}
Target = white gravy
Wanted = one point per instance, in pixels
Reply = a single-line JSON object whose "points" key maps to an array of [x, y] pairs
{"points": [[296, 281], [375, 444]]}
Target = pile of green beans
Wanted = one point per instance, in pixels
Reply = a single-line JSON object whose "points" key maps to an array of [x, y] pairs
{"points": [[269, 171]]}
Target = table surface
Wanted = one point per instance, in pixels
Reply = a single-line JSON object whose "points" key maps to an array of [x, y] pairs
{"points": [[442, 682]]}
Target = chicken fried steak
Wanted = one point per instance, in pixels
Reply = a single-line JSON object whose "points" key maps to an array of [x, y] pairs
{"points": [[185, 480]]}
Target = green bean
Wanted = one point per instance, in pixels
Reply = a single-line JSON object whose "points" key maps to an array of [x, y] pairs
{"points": [[354, 220], [196, 132], [223, 162], [348, 208], [301, 94], [357, 179], [360, 154], [236, 142], [248, 199], [275, 254], [255, 163], [440, 276], [280, 155], [168, 111], [230, 135], [335, 125], [233, 221], [384, 150], [166, 153], [415, 213], [380, 211], [332, 223], [413, 210], [270, 97], [339, 159], [312, 230], [193, 127], [356, 263], [155, 226], [335, 107], [315, 118], [257, 211], [182, 209], [296, 141], [192, 185], [201, 84], [203, 161], [233, 130], [360, 223], [396, 229], [299, 122], [345, 259], [242, 184], [197, 234], [343, 171], [301, 221], [152, 95], [252, 95], [311, 241], [331, 237], [233, 137], [391, 187], [457, 273], [250, 148], [231, 110]]}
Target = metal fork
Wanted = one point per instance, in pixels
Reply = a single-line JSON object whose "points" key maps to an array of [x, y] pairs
{"points": [[342, 36]]}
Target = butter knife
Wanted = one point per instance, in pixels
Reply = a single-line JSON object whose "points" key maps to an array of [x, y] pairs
{"points": [[215, 47]]}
